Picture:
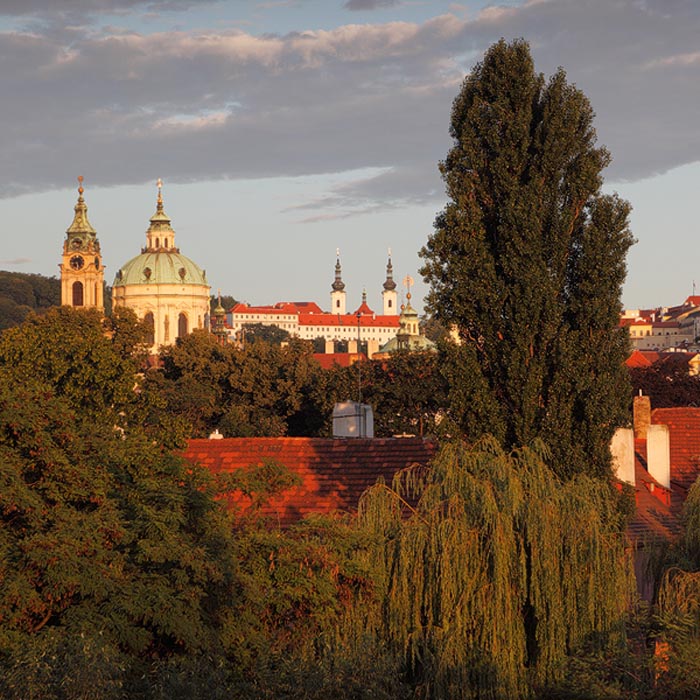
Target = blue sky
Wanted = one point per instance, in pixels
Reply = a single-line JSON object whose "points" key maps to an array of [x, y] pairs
{"points": [[284, 129]]}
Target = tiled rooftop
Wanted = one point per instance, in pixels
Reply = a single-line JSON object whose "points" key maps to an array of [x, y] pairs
{"points": [[334, 472]]}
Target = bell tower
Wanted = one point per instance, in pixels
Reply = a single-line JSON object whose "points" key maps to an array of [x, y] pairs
{"points": [[389, 295], [338, 289], [82, 274]]}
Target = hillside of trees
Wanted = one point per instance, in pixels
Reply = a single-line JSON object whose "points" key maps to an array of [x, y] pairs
{"points": [[22, 293]]}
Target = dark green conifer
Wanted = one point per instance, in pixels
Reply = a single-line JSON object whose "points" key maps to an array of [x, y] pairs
{"points": [[527, 261]]}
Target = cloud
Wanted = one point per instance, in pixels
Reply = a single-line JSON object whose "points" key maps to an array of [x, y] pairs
{"points": [[369, 4], [117, 105], [16, 261]]}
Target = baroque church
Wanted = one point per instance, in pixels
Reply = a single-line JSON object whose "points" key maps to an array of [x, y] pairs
{"points": [[165, 288]]}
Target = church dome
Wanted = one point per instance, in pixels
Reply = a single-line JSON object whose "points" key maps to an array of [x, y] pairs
{"points": [[164, 288], [160, 262], [160, 267]]}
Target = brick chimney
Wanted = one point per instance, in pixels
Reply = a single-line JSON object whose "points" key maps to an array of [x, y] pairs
{"points": [[641, 411]]}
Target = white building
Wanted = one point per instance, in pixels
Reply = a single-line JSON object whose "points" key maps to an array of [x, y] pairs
{"points": [[164, 288], [308, 321]]}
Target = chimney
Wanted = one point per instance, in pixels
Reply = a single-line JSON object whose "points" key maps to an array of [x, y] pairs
{"points": [[641, 411], [659, 454], [622, 449], [353, 420]]}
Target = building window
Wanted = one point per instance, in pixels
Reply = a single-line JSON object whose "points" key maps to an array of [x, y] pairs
{"points": [[77, 293], [181, 325]]}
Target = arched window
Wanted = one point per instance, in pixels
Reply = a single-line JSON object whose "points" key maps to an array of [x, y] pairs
{"points": [[182, 326], [150, 328], [157, 242], [77, 293], [390, 303]]}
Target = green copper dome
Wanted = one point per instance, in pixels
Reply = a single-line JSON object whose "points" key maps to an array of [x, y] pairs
{"points": [[161, 267], [160, 262]]}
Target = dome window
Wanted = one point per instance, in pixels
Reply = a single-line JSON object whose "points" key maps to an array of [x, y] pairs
{"points": [[182, 272], [147, 272]]}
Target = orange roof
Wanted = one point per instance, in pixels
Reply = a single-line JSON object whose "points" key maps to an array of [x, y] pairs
{"points": [[281, 307], [642, 358], [684, 432], [334, 472], [363, 309], [692, 301], [657, 508], [328, 360], [345, 320]]}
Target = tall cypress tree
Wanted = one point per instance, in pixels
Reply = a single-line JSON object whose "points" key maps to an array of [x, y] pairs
{"points": [[527, 261]]}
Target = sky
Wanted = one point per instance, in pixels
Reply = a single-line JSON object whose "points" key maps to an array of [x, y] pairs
{"points": [[284, 130]]}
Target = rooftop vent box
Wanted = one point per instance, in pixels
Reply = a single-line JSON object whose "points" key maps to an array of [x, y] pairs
{"points": [[353, 420]]}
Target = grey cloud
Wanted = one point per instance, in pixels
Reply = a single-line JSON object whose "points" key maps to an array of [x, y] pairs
{"points": [[232, 105], [24, 8], [369, 4]]}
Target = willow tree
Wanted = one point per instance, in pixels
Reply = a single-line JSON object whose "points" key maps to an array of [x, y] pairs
{"points": [[526, 261], [496, 572]]}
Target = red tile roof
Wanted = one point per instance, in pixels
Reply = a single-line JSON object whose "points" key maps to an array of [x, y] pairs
{"points": [[328, 360], [282, 307], [364, 310], [334, 472], [642, 358], [684, 433], [657, 508], [366, 321]]}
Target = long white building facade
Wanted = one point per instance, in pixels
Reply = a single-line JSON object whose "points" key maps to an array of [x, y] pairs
{"points": [[308, 321]]}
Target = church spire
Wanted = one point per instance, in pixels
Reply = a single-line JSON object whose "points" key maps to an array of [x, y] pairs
{"points": [[82, 274], [338, 285], [160, 235], [338, 288], [389, 284], [390, 295], [80, 226]]}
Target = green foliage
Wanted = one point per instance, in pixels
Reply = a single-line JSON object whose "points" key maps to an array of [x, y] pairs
{"points": [[543, 568], [102, 529], [307, 598], [666, 386], [254, 332], [262, 389], [527, 261], [407, 392], [227, 302]]}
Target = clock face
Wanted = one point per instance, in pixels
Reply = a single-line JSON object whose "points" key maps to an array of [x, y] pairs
{"points": [[76, 262]]}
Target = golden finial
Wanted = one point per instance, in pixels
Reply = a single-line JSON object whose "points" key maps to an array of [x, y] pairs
{"points": [[80, 185], [408, 283], [159, 185]]}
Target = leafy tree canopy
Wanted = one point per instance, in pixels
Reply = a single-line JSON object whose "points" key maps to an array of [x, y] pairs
{"points": [[262, 389], [527, 261], [252, 332], [102, 528]]}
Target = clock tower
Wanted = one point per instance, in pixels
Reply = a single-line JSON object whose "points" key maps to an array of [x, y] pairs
{"points": [[82, 274]]}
